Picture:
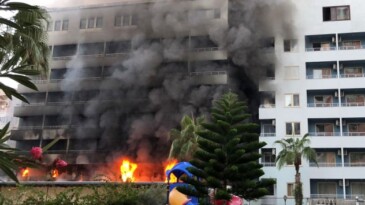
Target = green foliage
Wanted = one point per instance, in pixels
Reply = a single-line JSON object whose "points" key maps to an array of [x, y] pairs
{"points": [[227, 154], [185, 141], [109, 194], [23, 52]]}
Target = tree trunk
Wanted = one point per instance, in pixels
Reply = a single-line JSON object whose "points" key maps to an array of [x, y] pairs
{"points": [[298, 192]]}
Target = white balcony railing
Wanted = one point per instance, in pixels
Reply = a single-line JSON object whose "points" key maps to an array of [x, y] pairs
{"points": [[353, 75], [322, 104], [321, 49], [353, 133], [324, 134], [268, 164], [353, 104], [267, 106], [325, 164], [267, 134], [354, 164], [205, 49], [321, 76], [207, 73], [326, 196], [356, 47], [28, 128]]}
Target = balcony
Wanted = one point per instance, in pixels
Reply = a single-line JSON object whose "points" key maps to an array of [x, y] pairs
{"points": [[352, 69], [322, 98], [321, 70], [268, 157], [326, 189], [327, 158], [353, 97], [325, 42], [267, 99], [323, 127], [351, 41], [268, 128], [353, 127], [354, 157]]}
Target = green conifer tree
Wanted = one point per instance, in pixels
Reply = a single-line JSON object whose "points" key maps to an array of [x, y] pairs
{"points": [[227, 157]]}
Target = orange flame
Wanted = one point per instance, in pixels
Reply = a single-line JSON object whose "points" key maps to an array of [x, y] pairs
{"points": [[25, 172], [126, 171], [54, 173], [169, 166]]}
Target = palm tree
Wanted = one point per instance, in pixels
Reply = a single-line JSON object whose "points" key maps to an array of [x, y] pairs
{"points": [[23, 45], [185, 141], [293, 150], [23, 53]]}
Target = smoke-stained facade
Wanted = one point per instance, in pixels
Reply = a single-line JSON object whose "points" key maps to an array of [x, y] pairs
{"points": [[123, 74]]}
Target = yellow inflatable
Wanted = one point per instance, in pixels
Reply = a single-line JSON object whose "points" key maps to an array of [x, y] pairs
{"points": [[177, 198]]}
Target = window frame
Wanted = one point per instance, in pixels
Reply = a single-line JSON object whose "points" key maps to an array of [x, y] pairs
{"points": [[336, 7], [91, 26], [292, 48], [293, 134], [121, 19], [292, 100]]}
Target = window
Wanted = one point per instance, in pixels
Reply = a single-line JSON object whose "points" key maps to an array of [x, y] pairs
{"points": [[271, 188], [65, 25], [337, 13], [292, 100], [268, 157], [57, 25], [358, 188], [323, 101], [353, 72], [324, 129], [125, 20], [322, 73], [290, 45], [355, 100], [357, 158], [326, 188], [291, 72], [268, 130], [292, 128], [326, 159], [91, 22], [349, 45], [356, 129], [290, 189]]}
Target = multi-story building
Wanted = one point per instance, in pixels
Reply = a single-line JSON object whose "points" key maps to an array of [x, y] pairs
{"points": [[122, 74], [318, 89]]}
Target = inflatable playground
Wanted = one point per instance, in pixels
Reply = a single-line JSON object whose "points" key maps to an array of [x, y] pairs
{"points": [[177, 198]]}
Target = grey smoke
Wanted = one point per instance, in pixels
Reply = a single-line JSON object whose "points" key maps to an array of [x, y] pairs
{"points": [[150, 90]]}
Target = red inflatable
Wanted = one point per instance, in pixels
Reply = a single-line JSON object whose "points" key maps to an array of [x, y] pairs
{"points": [[235, 200]]}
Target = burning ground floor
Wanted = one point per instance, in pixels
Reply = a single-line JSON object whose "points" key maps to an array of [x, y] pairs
{"points": [[120, 170]]}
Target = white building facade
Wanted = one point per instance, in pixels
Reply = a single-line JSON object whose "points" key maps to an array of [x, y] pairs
{"points": [[318, 88]]}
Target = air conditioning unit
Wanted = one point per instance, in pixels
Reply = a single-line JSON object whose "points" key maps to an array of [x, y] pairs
{"points": [[339, 152], [342, 93], [336, 94], [333, 39], [337, 122], [340, 182], [273, 122], [334, 66], [273, 151], [341, 66], [344, 152]]}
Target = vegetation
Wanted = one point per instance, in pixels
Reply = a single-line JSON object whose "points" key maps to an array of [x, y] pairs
{"points": [[227, 156], [23, 53], [293, 150], [108, 194], [185, 141]]}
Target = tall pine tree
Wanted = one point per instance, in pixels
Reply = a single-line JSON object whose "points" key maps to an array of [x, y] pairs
{"points": [[227, 157]]}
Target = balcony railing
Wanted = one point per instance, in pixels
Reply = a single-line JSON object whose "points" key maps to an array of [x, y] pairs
{"points": [[323, 134], [353, 75], [321, 49], [351, 47], [267, 106], [271, 134], [205, 49], [39, 127], [327, 196], [268, 164], [353, 104], [55, 126], [354, 164], [325, 164], [321, 77], [353, 133], [207, 73], [322, 104]]}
